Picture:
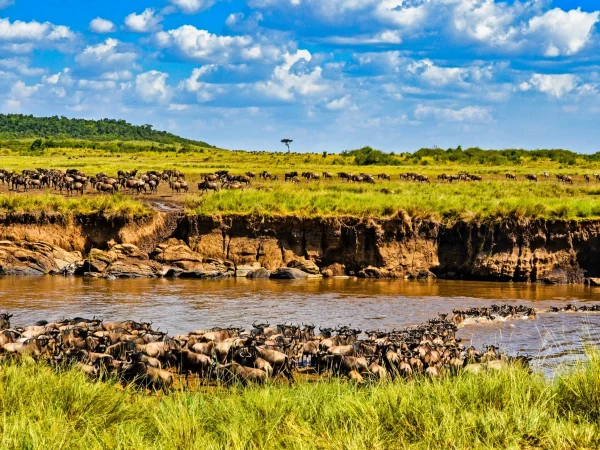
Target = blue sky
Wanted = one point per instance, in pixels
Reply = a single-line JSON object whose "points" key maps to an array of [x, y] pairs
{"points": [[330, 74]]}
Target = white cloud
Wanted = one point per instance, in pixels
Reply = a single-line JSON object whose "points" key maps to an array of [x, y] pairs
{"points": [[485, 20], [152, 87], [401, 13], [344, 102], [117, 75], [102, 26], [106, 55], [97, 85], [19, 93], [6, 3], [146, 22], [436, 75], [177, 107], [21, 66], [24, 37], [203, 46], [285, 82], [563, 33], [21, 90], [466, 114], [204, 92], [193, 6], [525, 26], [61, 78], [385, 37], [234, 18], [553, 85]]}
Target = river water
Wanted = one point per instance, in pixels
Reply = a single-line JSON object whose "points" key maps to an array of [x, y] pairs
{"points": [[178, 306]]}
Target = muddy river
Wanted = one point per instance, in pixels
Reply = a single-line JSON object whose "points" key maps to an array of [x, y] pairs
{"points": [[182, 305]]}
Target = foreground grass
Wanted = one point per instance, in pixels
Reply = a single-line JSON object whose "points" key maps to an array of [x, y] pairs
{"points": [[513, 409], [16, 205]]}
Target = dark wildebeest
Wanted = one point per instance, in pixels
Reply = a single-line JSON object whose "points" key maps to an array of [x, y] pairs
{"points": [[290, 176], [205, 186]]}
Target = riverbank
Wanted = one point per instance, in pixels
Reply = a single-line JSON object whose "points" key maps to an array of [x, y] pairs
{"points": [[509, 409], [178, 244]]}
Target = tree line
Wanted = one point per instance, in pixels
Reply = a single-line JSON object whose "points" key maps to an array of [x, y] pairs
{"points": [[368, 156], [19, 126]]}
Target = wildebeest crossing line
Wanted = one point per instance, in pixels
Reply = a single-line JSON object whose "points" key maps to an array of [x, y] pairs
{"points": [[137, 353]]}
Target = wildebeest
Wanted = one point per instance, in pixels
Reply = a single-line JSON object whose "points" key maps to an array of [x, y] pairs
{"points": [[531, 177], [290, 175], [205, 186]]}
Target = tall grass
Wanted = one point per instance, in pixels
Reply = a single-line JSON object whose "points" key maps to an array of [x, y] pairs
{"points": [[108, 205], [491, 199], [495, 197], [510, 409]]}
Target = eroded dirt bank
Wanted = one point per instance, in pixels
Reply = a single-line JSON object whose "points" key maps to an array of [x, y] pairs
{"points": [[173, 244]]}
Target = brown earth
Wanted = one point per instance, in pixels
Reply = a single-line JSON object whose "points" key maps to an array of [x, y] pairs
{"points": [[173, 244]]}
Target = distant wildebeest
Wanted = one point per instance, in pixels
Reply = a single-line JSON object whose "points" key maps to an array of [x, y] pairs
{"points": [[531, 177], [290, 176]]}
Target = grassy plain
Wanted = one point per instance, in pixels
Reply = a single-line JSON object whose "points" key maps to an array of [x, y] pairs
{"points": [[511, 409], [493, 198]]}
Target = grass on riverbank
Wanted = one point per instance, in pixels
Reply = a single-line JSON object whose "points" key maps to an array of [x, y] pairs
{"points": [[465, 201], [493, 198], [513, 409], [110, 206]]}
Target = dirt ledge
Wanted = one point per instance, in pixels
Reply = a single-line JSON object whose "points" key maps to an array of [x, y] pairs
{"points": [[400, 247]]}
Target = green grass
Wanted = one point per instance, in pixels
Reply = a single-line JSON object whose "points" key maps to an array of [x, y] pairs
{"points": [[494, 198], [110, 206], [465, 201], [512, 409]]}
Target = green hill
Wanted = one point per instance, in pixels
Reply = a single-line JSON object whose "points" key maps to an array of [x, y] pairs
{"points": [[19, 126]]}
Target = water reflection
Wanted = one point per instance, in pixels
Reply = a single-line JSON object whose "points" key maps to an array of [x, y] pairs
{"points": [[183, 305]]}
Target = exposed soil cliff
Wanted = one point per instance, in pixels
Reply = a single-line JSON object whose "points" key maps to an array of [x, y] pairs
{"points": [[172, 244]]}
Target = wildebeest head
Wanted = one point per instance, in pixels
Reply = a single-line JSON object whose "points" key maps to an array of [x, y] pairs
{"points": [[5, 321]]}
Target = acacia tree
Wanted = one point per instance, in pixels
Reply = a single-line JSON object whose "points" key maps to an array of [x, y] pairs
{"points": [[287, 142]]}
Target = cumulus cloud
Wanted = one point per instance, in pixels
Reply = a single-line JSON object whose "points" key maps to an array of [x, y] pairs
{"points": [[62, 78], [102, 26], [518, 26], [107, 55], [401, 13], [563, 33], [204, 92], [21, 66], [286, 83], [146, 22], [24, 37], [203, 46], [436, 75], [384, 37], [19, 93], [554, 85], [193, 6], [152, 87], [466, 114], [341, 103], [117, 75]]}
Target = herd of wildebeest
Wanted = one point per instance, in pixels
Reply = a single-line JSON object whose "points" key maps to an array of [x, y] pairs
{"points": [[138, 354], [74, 181]]}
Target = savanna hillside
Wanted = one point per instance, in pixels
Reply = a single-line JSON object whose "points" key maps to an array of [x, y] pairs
{"points": [[108, 146]]}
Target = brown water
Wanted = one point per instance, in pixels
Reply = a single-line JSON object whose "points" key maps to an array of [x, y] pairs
{"points": [[183, 305]]}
